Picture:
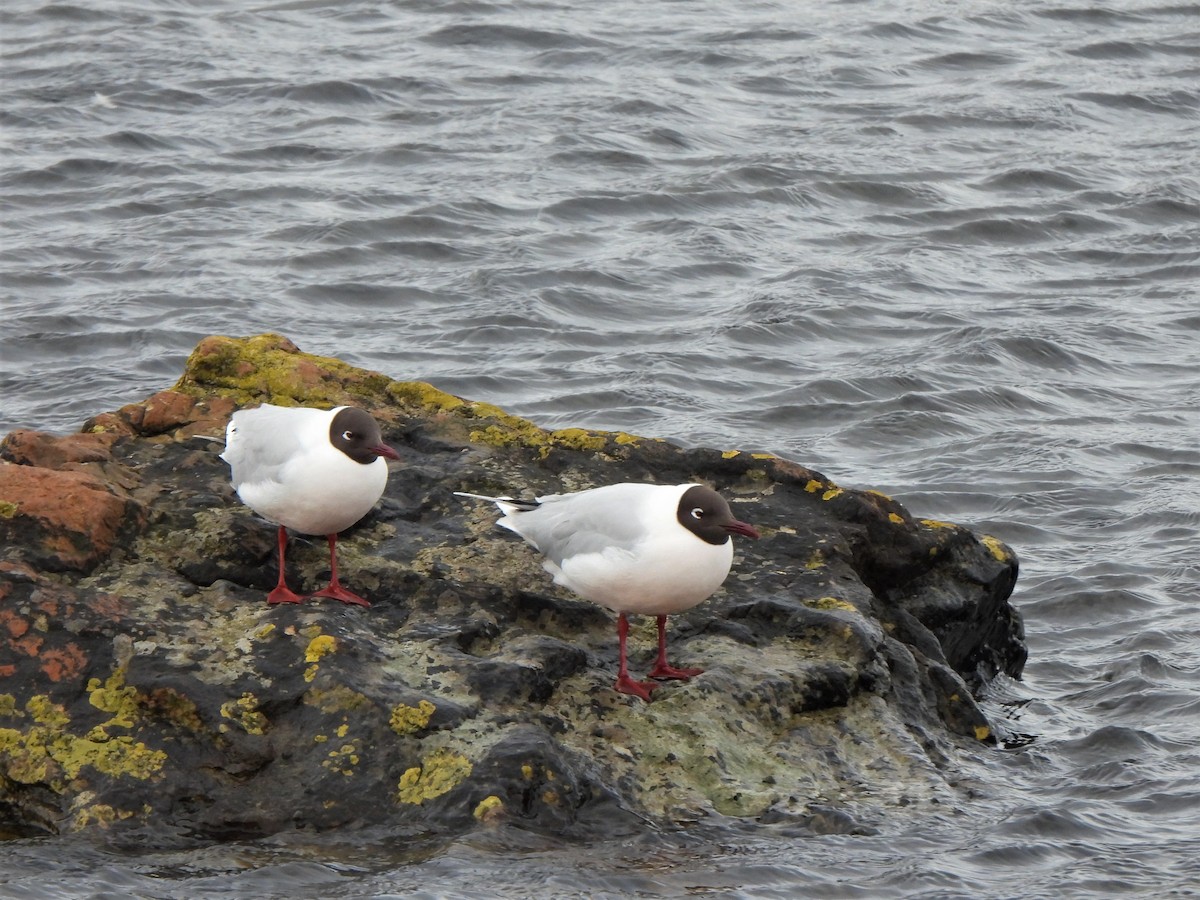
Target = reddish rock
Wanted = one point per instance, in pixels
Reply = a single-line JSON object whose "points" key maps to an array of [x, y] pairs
{"points": [[166, 411], [52, 451], [62, 519]]}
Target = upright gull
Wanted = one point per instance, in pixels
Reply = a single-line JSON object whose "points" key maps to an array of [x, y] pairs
{"points": [[642, 549], [315, 471]]}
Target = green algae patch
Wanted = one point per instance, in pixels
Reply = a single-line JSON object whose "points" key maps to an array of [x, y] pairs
{"points": [[624, 437], [270, 368], [411, 719], [441, 771], [578, 439], [419, 395]]}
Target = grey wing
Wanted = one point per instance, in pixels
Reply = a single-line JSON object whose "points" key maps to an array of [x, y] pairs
{"points": [[569, 525], [260, 441]]}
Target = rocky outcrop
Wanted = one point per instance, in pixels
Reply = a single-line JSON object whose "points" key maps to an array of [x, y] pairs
{"points": [[144, 680]]}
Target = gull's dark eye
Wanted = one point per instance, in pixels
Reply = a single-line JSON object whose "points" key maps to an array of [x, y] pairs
{"points": [[697, 513], [348, 436]]}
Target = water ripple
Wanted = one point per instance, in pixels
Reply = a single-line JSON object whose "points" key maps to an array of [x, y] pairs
{"points": [[950, 254]]}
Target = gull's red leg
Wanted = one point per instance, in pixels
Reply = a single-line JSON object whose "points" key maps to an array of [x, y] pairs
{"points": [[282, 593], [335, 591], [625, 684], [662, 669]]}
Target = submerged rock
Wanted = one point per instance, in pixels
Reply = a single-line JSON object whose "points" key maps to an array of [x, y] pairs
{"points": [[143, 678]]}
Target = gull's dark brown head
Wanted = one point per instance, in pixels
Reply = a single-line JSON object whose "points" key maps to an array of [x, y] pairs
{"points": [[704, 513], [356, 434]]}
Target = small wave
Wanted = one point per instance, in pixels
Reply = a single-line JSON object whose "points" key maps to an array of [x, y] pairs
{"points": [[1089, 15], [1174, 103], [339, 93], [1112, 50], [611, 158], [137, 140], [1026, 180], [883, 192], [498, 35], [966, 60], [1018, 230], [289, 153]]}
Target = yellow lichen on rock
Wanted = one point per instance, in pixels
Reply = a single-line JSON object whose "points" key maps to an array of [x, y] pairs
{"points": [[336, 698], [116, 697], [489, 808], [439, 772], [996, 547], [831, 603], [47, 753], [934, 523], [319, 646], [244, 713], [411, 719], [85, 813], [343, 759]]}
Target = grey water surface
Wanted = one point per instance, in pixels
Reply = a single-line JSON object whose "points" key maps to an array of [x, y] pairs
{"points": [[950, 251]]}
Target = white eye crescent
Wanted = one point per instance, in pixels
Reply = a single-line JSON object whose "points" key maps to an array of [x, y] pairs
{"points": [[697, 513]]}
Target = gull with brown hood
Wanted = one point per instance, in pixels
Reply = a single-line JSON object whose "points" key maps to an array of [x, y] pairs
{"points": [[638, 549], [314, 471]]}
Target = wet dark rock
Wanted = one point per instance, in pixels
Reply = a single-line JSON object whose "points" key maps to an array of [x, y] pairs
{"points": [[145, 681]]}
